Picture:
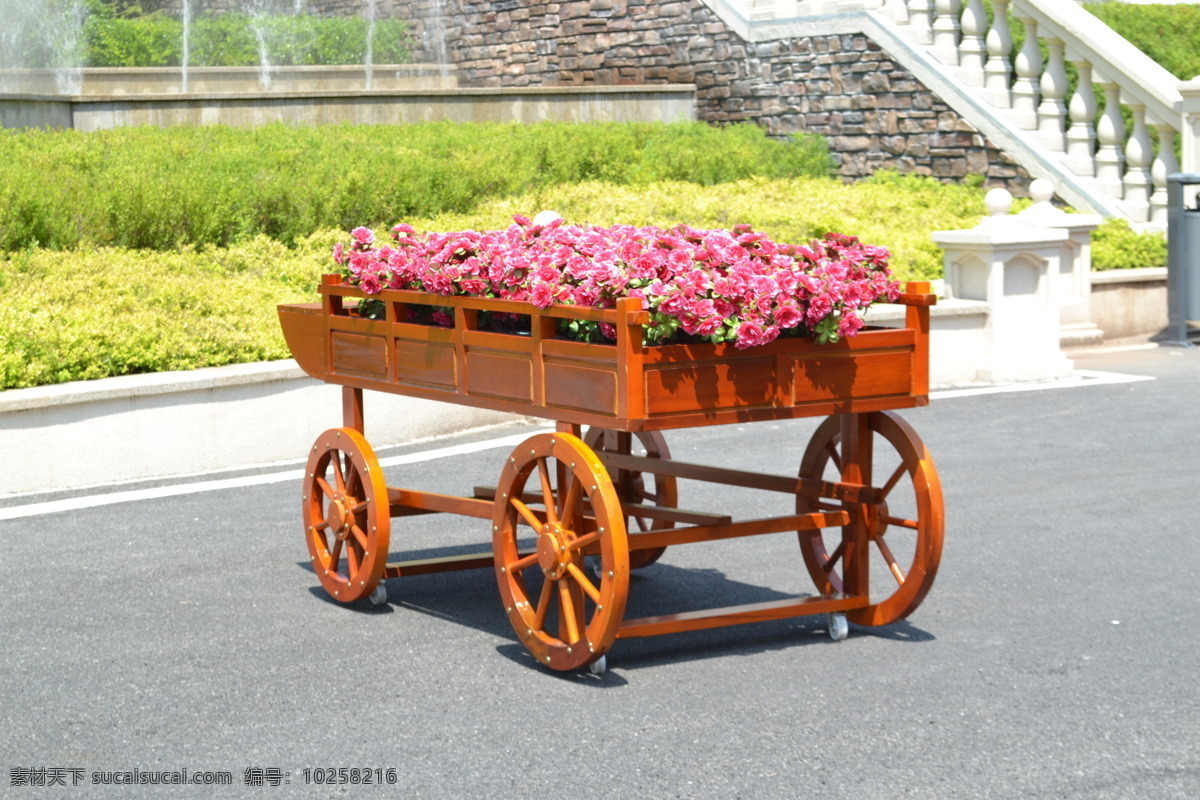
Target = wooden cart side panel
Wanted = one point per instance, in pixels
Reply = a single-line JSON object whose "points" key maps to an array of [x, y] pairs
{"points": [[626, 386], [304, 331]]}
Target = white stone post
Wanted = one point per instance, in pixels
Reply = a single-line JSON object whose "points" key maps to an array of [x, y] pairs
{"points": [[1013, 267], [1189, 135], [1075, 264]]}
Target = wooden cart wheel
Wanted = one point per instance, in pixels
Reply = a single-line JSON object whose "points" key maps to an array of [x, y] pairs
{"points": [[555, 487], [631, 487], [905, 530], [347, 519]]}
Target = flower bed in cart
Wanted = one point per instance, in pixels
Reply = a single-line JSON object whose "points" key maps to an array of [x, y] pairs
{"points": [[626, 327]]}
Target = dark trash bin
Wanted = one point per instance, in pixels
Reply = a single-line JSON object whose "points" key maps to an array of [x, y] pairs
{"points": [[1183, 259]]}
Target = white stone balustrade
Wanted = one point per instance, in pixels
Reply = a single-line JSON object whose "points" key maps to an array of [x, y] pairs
{"points": [[1081, 145]]}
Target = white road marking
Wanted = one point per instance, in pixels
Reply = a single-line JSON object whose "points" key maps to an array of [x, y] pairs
{"points": [[1077, 379]]}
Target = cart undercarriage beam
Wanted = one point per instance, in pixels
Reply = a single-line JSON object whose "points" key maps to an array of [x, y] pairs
{"points": [[737, 615]]}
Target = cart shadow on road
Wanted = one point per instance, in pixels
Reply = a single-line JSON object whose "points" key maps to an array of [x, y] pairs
{"points": [[471, 599]]}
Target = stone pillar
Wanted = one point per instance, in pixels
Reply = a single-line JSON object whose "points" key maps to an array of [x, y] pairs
{"points": [[1014, 268], [1189, 133], [1075, 266]]}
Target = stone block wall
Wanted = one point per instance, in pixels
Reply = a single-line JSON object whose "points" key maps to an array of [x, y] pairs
{"points": [[874, 112]]}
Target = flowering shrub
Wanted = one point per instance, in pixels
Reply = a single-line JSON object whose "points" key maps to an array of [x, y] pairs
{"points": [[716, 285]]}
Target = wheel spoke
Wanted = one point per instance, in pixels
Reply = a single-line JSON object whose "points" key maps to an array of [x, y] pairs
{"points": [[353, 560], [543, 605], [360, 507], [891, 484], [326, 489], [834, 456], [584, 541], [570, 501], [335, 555], [338, 478], [897, 573], [322, 525], [523, 563], [584, 583], [360, 536], [354, 483], [834, 557], [566, 611], [530, 518], [547, 491], [911, 524]]}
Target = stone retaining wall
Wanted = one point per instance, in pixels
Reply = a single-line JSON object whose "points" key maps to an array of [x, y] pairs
{"points": [[873, 111]]}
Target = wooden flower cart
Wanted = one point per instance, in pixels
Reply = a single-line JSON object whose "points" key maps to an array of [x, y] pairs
{"points": [[574, 510]]}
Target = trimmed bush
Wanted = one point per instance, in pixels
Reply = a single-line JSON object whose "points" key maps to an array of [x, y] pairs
{"points": [[163, 188], [101, 312], [889, 209], [1117, 246], [1166, 33], [233, 40]]}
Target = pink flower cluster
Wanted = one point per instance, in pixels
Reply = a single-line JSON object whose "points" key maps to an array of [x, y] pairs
{"points": [[719, 285]]}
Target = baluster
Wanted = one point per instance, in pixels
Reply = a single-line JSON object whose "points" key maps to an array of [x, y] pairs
{"points": [[920, 20], [1110, 132], [896, 10], [1138, 154], [1028, 69], [972, 52], [1081, 136], [945, 32], [1164, 164], [1053, 110], [998, 67]]}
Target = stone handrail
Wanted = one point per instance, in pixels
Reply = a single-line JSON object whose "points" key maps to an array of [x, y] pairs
{"points": [[1020, 102]]}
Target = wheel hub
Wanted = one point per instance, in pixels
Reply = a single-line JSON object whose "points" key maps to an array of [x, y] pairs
{"points": [[341, 519], [553, 551], [875, 518]]}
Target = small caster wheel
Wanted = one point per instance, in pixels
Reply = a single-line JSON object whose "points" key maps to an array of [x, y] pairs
{"points": [[379, 596], [599, 666], [839, 628]]}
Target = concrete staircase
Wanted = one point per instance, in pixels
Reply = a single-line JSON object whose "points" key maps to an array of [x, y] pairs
{"points": [[1022, 104]]}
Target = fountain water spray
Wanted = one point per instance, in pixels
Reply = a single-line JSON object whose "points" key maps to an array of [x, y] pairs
{"points": [[187, 40], [369, 57], [435, 38], [258, 20], [44, 36]]}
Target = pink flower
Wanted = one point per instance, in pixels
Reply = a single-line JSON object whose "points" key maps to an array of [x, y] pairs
{"points": [[698, 281], [370, 284], [788, 314], [748, 334], [849, 324], [541, 295]]}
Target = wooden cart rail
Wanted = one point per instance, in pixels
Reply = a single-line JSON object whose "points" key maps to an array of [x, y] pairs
{"points": [[624, 386]]}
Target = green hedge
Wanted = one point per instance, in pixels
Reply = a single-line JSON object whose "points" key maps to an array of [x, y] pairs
{"points": [[232, 40], [1167, 33], [162, 188], [1117, 246], [100, 311]]}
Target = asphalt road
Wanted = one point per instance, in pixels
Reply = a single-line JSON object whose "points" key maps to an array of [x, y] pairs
{"points": [[1054, 658]]}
